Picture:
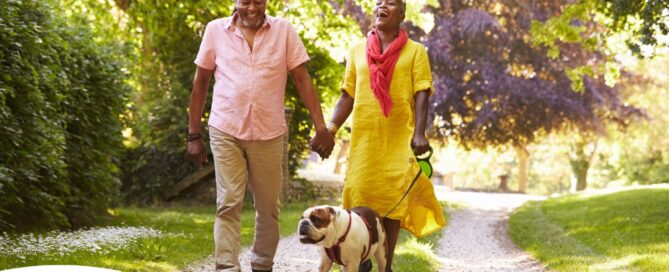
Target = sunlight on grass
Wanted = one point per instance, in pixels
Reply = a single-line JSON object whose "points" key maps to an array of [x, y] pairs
{"points": [[623, 230], [413, 255]]}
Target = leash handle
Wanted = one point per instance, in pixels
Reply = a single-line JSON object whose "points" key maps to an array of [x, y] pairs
{"points": [[424, 162], [405, 193]]}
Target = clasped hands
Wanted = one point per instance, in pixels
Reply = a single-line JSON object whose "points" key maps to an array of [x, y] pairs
{"points": [[322, 143]]}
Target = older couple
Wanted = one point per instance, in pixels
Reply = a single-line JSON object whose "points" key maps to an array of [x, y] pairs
{"points": [[387, 85]]}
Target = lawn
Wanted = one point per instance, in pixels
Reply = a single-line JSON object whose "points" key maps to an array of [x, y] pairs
{"points": [[626, 230], [188, 238]]}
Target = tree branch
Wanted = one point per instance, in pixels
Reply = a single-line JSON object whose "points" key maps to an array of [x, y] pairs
{"points": [[123, 4]]}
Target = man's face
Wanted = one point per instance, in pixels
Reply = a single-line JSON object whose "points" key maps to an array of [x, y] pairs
{"points": [[388, 13], [251, 12]]}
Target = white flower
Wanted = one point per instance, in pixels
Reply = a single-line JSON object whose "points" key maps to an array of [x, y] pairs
{"points": [[62, 243]]}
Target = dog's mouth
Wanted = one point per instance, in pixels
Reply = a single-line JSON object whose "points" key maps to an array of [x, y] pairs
{"points": [[306, 239]]}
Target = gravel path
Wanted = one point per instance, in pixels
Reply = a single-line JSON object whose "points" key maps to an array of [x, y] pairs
{"points": [[476, 239], [291, 256]]}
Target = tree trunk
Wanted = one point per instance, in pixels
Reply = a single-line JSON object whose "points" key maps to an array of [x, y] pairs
{"points": [[123, 4], [523, 156], [580, 160], [504, 183], [285, 191], [580, 169], [342, 157]]}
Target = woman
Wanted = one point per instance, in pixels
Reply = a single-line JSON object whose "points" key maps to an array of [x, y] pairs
{"points": [[387, 85]]}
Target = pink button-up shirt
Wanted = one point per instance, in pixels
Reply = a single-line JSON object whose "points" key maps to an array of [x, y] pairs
{"points": [[248, 100]]}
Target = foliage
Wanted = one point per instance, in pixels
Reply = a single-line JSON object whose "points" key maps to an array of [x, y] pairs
{"points": [[640, 154], [638, 24], [60, 97], [614, 231], [647, 20]]}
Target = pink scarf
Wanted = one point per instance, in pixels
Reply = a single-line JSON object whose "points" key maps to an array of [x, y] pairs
{"points": [[381, 66]]}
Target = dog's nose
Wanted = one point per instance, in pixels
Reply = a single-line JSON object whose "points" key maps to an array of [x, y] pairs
{"points": [[304, 227]]}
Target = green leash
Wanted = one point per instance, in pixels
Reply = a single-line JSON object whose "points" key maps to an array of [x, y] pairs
{"points": [[425, 166]]}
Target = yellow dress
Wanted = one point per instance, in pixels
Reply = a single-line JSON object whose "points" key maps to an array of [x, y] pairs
{"points": [[381, 163]]}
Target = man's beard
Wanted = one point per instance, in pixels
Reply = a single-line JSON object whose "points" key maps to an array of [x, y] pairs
{"points": [[252, 25]]}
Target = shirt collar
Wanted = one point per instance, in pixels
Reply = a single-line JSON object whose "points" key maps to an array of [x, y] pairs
{"points": [[229, 25]]}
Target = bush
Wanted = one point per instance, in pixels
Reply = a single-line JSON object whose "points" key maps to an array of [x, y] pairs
{"points": [[650, 167], [61, 95]]}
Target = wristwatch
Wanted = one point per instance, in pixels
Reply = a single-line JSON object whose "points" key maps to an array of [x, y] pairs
{"points": [[194, 136]]}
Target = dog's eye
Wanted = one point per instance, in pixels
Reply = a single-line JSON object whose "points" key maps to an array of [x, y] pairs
{"points": [[314, 220]]}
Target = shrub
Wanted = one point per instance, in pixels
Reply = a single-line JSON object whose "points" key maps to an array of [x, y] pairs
{"points": [[61, 94]]}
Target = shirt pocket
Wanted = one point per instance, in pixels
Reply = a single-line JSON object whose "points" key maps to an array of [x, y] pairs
{"points": [[273, 58]]}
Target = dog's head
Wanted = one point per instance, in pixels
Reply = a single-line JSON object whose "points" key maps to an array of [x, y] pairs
{"points": [[316, 223]]}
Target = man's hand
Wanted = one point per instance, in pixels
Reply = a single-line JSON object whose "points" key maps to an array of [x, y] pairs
{"points": [[419, 144], [322, 143], [197, 153]]}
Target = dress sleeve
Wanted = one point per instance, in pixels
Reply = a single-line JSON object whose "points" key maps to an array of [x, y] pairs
{"points": [[422, 75], [206, 57], [348, 84]]}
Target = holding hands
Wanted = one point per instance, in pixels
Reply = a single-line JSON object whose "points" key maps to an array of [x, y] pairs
{"points": [[322, 143]]}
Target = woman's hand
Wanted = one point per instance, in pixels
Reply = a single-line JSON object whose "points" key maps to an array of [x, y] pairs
{"points": [[419, 144]]}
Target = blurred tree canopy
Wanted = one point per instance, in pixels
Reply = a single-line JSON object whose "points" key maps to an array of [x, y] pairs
{"points": [[642, 23], [61, 93]]}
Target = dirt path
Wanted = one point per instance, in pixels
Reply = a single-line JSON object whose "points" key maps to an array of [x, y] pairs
{"points": [[476, 239]]}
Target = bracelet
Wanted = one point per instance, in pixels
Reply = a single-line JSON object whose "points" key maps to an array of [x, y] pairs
{"points": [[332, 128], [194, 136]]}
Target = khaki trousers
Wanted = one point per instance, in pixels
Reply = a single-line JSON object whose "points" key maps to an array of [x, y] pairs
{"points": [[238, 164]]}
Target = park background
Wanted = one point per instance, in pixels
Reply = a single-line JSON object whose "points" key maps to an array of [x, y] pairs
{"points": [[538, 97]]}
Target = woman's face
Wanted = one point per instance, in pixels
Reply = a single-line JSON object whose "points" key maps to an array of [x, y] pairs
{"points": [[388, 14]]}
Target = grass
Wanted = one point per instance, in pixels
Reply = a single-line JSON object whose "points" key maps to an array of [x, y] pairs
{"points": [[190, 239], [620, 231]]}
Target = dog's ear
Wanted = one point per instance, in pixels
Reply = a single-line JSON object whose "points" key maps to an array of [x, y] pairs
{"points": [[332, 211]]}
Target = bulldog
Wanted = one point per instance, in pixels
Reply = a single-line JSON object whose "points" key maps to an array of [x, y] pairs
{"points": [[345, 237]]}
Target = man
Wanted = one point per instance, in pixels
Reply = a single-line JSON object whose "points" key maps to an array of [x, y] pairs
{"points": [[250, 55]]}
